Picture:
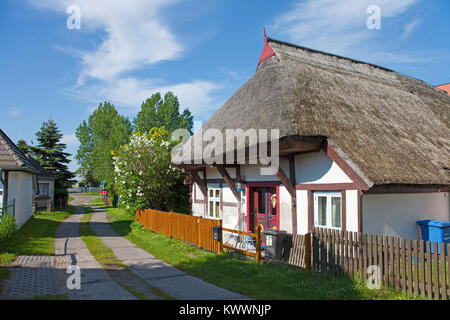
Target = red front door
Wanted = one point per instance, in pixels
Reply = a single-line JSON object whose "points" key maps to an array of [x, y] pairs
{"points": [[263, 208]]}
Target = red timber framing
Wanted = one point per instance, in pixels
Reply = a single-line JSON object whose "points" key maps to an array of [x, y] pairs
{"points": [[289, 184]]}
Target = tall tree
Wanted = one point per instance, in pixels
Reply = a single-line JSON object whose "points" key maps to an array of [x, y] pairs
{"points": [[50, 153], [157, 112], [106, 130], [22, 145]]}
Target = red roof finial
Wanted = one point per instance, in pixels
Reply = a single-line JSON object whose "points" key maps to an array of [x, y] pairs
{"points": [[267, 51]]}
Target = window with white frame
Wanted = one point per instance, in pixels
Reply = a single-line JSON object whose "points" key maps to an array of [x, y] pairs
{"points": [[328, 210], [214, 202], [44, 189]]}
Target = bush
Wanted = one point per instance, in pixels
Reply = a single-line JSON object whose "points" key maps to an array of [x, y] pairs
{"points": [[7, 228]]}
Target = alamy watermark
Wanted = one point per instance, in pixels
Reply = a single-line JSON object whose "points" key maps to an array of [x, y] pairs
{"points": [[74, 280], [374, 277], [208, 147], [374, 19], [74, 19]]}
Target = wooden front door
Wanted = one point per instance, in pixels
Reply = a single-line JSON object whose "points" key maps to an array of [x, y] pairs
{"points": [[263, 208]]}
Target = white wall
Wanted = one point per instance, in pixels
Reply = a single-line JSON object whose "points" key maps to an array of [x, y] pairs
{"points": [[396, 214], [302, 211], [351, 210], [20, 188], [317, 167], [285, 210]]}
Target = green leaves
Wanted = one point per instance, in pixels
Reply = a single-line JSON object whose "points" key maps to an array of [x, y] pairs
{"points": [[50, 153], [157, 112], [105, 131], [145, 177]]}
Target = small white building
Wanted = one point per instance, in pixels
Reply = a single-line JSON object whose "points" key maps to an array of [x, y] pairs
{"points": [[18, 180], [44, 199], [362, 148]]}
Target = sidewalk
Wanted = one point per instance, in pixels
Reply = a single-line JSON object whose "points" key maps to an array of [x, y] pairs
{"points": [[155, 272], [96, 284]]}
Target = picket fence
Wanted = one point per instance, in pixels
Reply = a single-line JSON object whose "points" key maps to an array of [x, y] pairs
{"points": [[195, 230], [411, 266]]}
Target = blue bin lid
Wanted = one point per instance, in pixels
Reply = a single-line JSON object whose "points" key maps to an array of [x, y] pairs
{"points": [[434, 223]]}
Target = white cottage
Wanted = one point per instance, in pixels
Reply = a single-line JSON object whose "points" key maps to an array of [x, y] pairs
{"points": [[362, 148], [18, 180]]}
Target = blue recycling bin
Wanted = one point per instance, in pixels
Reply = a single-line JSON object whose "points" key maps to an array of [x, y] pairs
{"points": [[435, 231]]}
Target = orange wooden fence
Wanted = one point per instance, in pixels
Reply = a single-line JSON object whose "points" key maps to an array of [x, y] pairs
{"points": [[195, 230]]}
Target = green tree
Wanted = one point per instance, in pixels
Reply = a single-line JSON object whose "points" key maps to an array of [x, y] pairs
{"points": [[50, 153], [145, 176], [157, 112], [106, 130], [22, 145]]}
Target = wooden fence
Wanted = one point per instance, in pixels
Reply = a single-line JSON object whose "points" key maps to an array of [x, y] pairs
{"points": [[195, 230], [412, 266], [256, 236], [298, 250]]}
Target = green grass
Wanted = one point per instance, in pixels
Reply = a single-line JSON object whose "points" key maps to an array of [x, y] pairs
{"points": [[36, 237], [265, 281]]}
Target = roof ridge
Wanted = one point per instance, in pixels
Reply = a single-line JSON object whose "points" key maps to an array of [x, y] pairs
{"points": [[327, 53], [15, 152]]}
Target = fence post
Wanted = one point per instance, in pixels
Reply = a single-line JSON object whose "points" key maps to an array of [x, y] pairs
{"points": [[221, 238], [258, 243], [170, 224], [308, 251]]}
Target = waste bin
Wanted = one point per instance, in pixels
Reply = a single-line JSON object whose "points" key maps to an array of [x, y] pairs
{"points": [[275, 241], [435, 231]]}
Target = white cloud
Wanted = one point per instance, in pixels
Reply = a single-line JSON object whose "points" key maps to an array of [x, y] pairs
{"points": [[129, 93], [135, 36], [14, 112], [336, 26], [409, 27]]}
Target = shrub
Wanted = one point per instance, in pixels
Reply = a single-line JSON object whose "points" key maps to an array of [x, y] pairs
{"points": [[145, 177], [7, 228]]}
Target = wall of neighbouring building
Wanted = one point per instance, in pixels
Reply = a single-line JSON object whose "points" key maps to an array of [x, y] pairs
{"points": [[20, 188], [396, 214]]}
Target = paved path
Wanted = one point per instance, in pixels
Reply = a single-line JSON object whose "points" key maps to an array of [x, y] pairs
{"points": [[96, 284], [155, 272], [34, 276]]}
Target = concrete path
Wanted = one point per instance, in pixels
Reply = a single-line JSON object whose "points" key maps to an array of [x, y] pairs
{"points": [[155, 272], [96, 284]]}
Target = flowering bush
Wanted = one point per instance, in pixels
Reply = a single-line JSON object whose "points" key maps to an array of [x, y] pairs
{"points": [[144, 176]]}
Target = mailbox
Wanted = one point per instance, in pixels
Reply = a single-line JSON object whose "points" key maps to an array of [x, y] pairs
{"points": [[217, 233]]}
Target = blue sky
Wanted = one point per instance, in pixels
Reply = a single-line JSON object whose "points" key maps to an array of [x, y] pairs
{"points": [[202, 50]]}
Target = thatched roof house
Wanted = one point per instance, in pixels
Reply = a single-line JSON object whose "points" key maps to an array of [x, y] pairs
{"points": [[392, 129], [386, 131]]}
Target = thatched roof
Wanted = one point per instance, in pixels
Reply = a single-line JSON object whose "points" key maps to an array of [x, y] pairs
{"points": [[11, 158], [390, 128]]}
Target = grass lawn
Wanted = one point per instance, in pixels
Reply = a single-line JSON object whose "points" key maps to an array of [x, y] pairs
{"points": [[266, 281], [36, 237]]}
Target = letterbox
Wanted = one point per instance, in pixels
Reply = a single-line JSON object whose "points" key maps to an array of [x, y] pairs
{"points": [[217, 233]]}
